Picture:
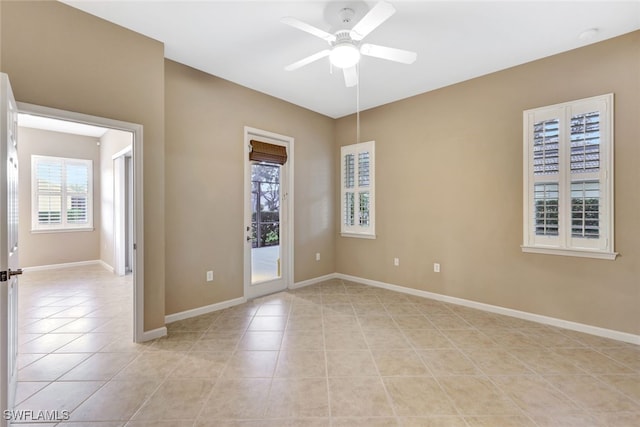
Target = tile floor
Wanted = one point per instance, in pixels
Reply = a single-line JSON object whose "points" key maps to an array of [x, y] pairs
{"points": [[331, 354]]}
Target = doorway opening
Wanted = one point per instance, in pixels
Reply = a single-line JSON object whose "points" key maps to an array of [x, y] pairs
{"points": [[268, 232], [121, 245]]}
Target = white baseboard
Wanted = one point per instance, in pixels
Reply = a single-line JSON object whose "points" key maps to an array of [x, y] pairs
{"points": [[67, 265], [314, 280], [170, 318], [552, 321], [106, 266], [154, 333]]}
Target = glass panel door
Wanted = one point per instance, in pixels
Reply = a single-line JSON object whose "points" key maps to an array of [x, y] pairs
{"points": [[265, 222]]}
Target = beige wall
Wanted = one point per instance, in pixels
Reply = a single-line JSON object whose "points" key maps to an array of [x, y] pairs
{"points": [[112, 142], [449, 190], [205, 119], [59, 57], [37, 249]]}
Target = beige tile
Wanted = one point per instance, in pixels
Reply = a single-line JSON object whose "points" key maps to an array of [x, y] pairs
{"points": [[117, 400], [176, 399], [497, 362], [404, 362], [202, 364], [447, 421], [427, 339], [535, 396], [626, 384], [297, 398], [467, 338], [26, 389], [44, 326], [47, 343], [244, 398], [444, 362], [628, 356], [199, 323], [304, 322], [401, 309], [358, 397], [350, 363], [338, 309], [88, 343], [268, 323], [418, 396], [61, 396], [260, 341], [619, 419], [448, 321], [247, 364], [273, 310], [477, 396], [376, 321], [83, 325], [412, 322], [581, 419], [303, 339], [365, 422], [51, 367], [152, 365], [385, 338], [593, 361], [301, 364], [502, 421], [336, 339], [99, 367], [340, 322], [592, 394], [546, 361]]}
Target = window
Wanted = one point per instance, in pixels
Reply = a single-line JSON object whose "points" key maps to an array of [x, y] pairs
{"points": [[358, 190], [61, 194], [568, 179]]}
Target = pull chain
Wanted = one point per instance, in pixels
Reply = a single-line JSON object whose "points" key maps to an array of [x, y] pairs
{"points": [[357, 103]]}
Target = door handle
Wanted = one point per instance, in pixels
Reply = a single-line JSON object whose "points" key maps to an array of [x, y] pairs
{"points": [[15, 272]]}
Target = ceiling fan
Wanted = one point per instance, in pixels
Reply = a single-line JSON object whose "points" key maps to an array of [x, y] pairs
{"points": [[345, 44]]}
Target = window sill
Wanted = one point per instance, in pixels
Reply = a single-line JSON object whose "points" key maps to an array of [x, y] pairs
{"points": [[359, 236], [582, 253], [61, 230]]}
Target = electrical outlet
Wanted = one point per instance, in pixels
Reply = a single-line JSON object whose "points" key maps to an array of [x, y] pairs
{"points": [[317, 256], [396, 261], [210, 276], [436, 267]]}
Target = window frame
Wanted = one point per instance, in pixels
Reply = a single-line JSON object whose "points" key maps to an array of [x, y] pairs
{"points": [[357, 230], [565, 243], [65, 225]]}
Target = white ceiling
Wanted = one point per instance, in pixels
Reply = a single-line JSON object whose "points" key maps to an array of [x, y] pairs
{"points": [[245, 42], [63, 126]]}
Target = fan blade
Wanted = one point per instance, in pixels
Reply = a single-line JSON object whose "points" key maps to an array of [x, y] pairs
{"points": [[350, 76], [390, 53], [307, 60], [296, 23], [376, 16]]}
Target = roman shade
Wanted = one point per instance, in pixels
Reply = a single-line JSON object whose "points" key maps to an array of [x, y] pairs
{"points": [[269, 153]]}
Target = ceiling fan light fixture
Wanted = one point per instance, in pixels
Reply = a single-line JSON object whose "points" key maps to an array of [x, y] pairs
{"points": [[344, 55]]}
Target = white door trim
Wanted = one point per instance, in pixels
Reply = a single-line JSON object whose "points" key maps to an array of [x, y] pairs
{"points": [[288, 203], [138, 205], [120, 212]]}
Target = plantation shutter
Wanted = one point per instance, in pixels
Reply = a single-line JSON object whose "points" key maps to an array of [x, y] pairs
{"points": [[62, 193], [269, 153], [357, 192], [49, 191]]}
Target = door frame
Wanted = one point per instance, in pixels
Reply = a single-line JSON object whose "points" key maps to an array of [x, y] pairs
{"points": [[121, 203], [138, 211], [286, 203]]}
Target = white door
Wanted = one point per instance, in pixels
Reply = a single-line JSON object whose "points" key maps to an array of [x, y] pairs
{"points": [[268, 230], [9, 268]]}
